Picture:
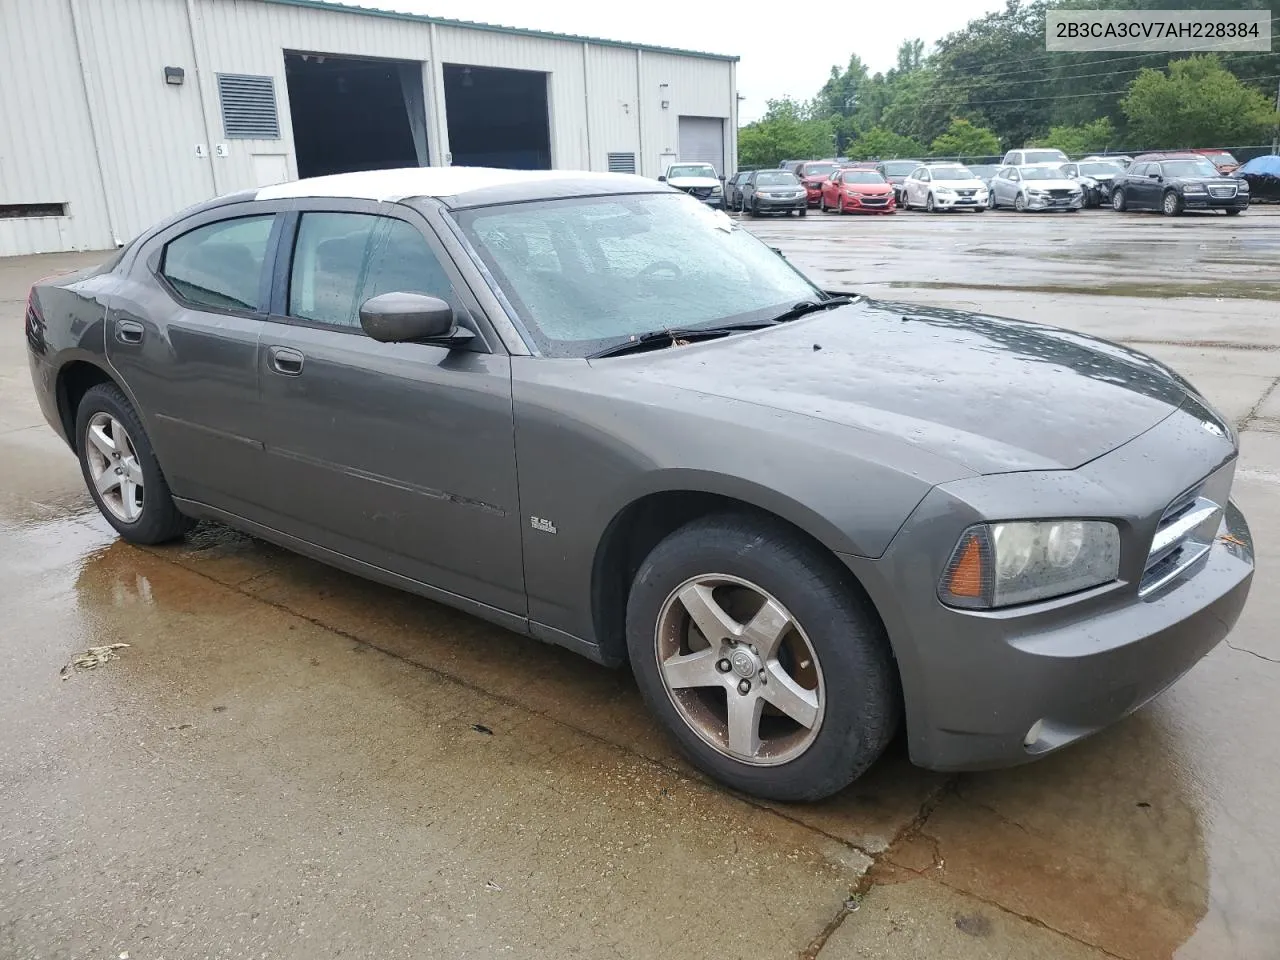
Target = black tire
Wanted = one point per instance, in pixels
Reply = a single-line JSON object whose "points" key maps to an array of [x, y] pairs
{"points": [[862, 699], [1234, 212], [1171, 209], [803, 212], [160, 520], [929, 206], [1020, 203], [1118, 203], [755, 208], [822, 203]]}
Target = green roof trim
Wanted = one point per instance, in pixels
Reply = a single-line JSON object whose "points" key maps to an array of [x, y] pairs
{"points": [[334, 6]]}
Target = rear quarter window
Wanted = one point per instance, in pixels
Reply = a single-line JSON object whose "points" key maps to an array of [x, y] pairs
{"points": [[220, 264]]}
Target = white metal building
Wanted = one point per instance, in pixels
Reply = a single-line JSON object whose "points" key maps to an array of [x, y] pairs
{"points": [[116, 113]]}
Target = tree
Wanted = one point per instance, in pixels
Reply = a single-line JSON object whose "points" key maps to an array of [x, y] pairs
{"points": [[963, 139], [1199, 103], [881, 144], [1090, 137], [787, 131]]}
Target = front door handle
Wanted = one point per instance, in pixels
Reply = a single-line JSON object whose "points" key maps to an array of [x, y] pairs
{"points": [[129, 331], [285, 360]]}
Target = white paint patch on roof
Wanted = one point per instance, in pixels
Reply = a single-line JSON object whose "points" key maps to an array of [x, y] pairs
{"points": [[392, 185]]}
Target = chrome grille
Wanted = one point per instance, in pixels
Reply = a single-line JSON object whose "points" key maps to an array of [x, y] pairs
{"points": [[1222, 192], [1186, 531]]}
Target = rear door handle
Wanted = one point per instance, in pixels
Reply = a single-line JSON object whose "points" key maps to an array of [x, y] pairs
{"points": [[285, 360], [129, 331]]}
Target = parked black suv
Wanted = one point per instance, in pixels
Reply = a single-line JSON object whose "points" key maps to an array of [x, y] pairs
{"points": [[1173, 182]]}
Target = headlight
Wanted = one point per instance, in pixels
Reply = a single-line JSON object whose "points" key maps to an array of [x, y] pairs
{"points": [[715, 190], [1242, 186], [1000, 564], [1193, 188], [1035, 191], [943, 190]]}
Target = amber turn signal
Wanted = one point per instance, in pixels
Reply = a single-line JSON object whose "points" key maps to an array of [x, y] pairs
{"points": [[967, 581]]}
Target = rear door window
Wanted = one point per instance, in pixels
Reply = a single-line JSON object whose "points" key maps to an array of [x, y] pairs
{"points": [[340, 260], [220, 264]]}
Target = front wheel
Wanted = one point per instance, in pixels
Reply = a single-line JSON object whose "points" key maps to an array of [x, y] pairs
{"points": [[928, 204], [121, 469], [1020, 203], [1117, 201], [1234, 212], [803, 212], [822, 203], [762, 658], [1172, 203]]}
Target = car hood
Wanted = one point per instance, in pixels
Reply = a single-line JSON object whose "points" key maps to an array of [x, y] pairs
{"points": [[1063, 184], [688, 183], [991, 394], [973, 184], [872, 188], [1205, 181]]}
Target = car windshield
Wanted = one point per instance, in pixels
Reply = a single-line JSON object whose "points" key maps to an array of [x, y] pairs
{"points": [[1189, 168], [1041, 173], [862, 176], [983, 170], [774, 178], [1043, 156], [692, 170], [585, 273], [818, 169], [1101, 167], [952, 173], [901, 168]]}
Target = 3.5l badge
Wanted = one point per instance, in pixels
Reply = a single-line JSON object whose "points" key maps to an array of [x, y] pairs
{"points": [[541, 525]]}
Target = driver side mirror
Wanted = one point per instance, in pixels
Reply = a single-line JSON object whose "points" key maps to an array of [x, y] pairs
{"points": [[408, 318], [663, 178], [1154, 176]]}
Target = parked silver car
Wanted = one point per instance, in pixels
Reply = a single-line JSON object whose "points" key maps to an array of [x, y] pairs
{"points": [[1035, 187], [590, 409]]}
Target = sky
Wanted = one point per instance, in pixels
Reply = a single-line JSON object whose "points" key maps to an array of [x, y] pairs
{"points": [[783, 53]]}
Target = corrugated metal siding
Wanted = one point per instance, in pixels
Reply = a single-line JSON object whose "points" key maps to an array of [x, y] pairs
{"points": [[611, 107], [148, 130], [46, 146], [695, 88]]}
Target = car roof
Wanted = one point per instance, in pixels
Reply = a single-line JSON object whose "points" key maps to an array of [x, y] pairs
{"points": [[1173, 155], [460, 186]]}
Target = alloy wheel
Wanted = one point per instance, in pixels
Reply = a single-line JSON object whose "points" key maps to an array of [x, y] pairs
{"points": [[1117, 201], [114, 467], [740, 670], [1020, 203]]}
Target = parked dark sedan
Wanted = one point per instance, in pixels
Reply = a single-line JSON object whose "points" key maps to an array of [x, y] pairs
{"points": [[773, 191], [1172, 183], [896, 172], [591, 409]]}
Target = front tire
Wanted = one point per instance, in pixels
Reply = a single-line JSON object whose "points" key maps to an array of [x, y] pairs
{"points": [[803, 213], [1234, 212], [762, 658], [929, 206], [1171, 205], [121, 470], [1020, 203], [1118, 203]]}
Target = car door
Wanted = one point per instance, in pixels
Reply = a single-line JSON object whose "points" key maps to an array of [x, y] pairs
{"points": [[1014, 185], [748, 191], [182, 333], [1143, 185], [831, 189], [923, 182], [398, 455]]}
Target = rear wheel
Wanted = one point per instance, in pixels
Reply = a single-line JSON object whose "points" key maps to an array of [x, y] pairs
{"points": [[769, 668], [1171, 205], [121, 469]]}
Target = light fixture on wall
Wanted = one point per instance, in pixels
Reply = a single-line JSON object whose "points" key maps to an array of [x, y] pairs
{"points": [[664, 94], [174, 76]]}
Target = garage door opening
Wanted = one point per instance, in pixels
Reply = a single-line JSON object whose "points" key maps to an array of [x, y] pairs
{"points": [[702, 138], [351, 114], [497, 118]]}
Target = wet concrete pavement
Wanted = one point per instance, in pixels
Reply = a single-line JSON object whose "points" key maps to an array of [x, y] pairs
{"points": [[290, 762]]}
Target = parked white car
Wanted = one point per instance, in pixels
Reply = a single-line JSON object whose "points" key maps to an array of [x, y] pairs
{"points": [[944, 186], [698, 180], [1020, 158], [1035, 187]]}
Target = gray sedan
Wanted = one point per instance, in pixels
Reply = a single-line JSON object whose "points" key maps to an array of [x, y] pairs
{"points": [[592, 410]]}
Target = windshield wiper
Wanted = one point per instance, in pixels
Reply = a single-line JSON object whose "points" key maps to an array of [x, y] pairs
{"points": [[810, 306], [650, 339]]}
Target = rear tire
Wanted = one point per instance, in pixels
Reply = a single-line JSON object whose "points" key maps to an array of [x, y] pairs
{"points": [[121, 471], [833, 653]]}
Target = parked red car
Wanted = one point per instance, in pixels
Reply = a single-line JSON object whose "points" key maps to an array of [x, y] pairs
{"points": [[1224, 161], [857, 191], [813, 174]]}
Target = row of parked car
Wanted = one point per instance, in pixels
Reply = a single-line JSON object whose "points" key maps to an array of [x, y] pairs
{"points": [[1027, 180]]}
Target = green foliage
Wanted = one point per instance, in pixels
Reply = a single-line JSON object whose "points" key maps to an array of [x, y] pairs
{"points": [[963, 139], [881, 144], [1198, 103], [1083, 138], [787, 131]]}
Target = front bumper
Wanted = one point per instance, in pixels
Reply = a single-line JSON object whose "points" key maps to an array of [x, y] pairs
{"points": [[1201, 201], [773, 204], [861, 204], [1055, 203], [977, 201], [814, 195], [978, 685]]}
